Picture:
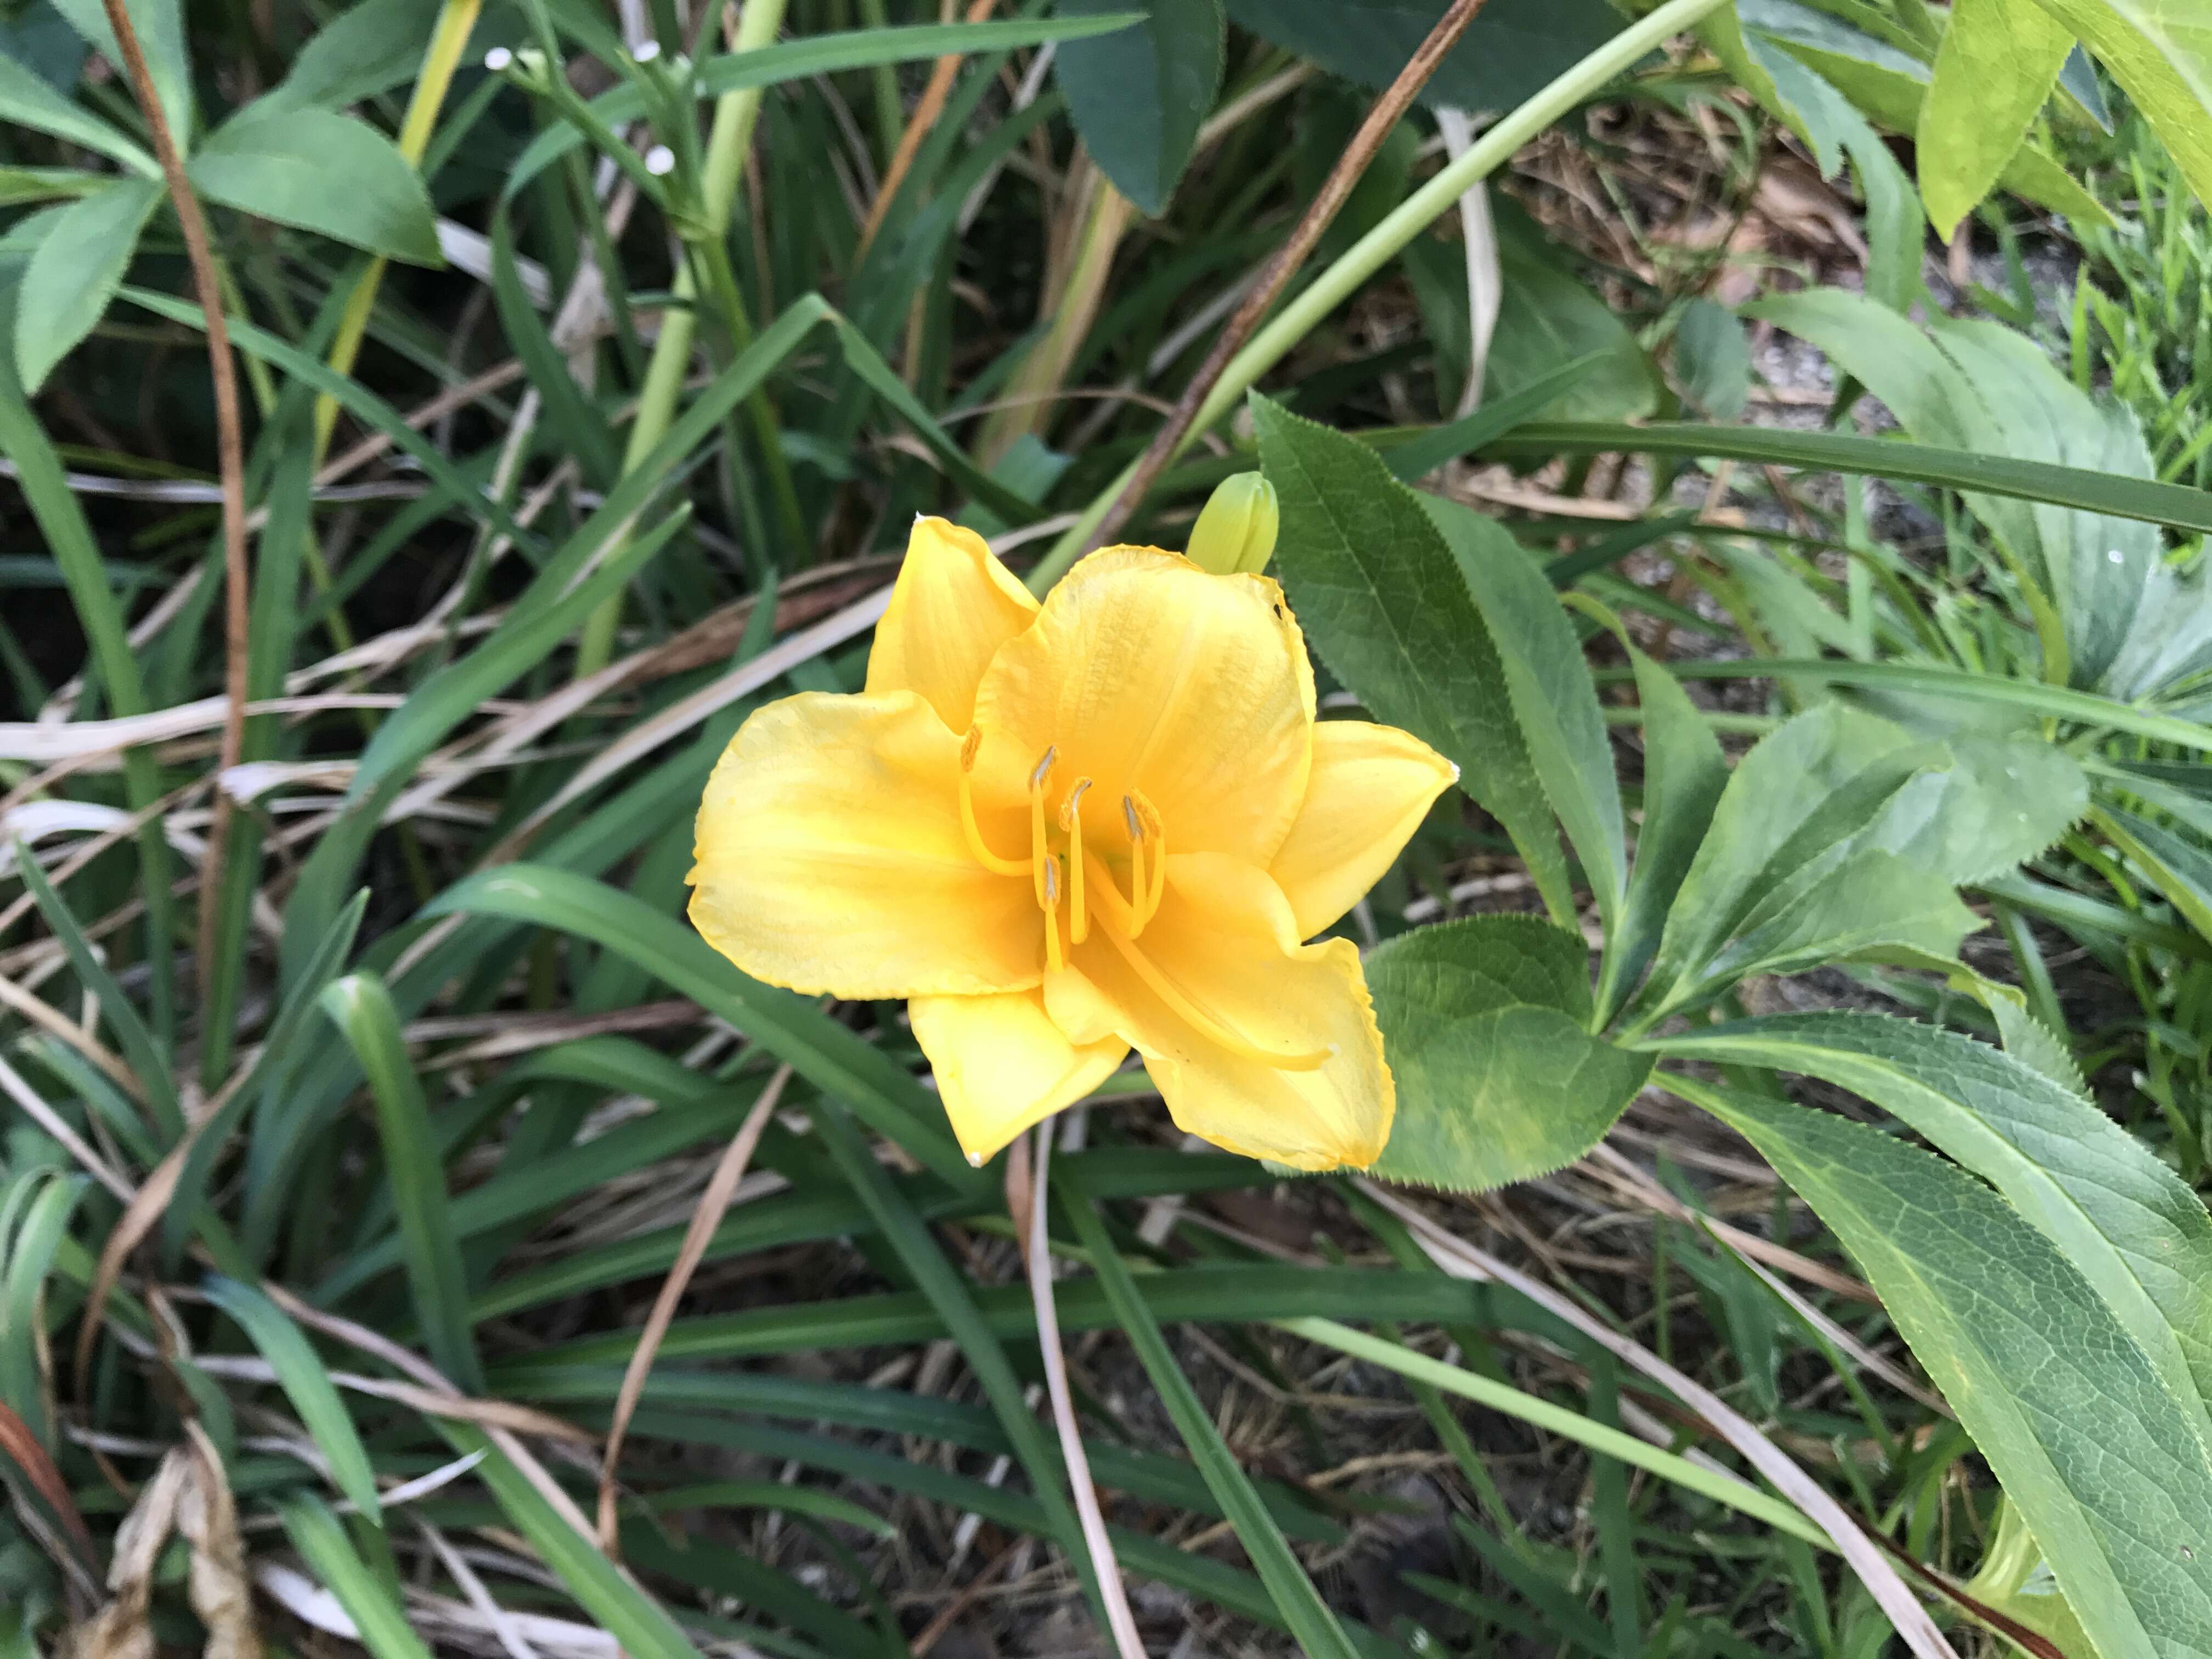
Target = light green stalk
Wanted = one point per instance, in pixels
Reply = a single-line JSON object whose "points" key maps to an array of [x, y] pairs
{"points": [[1384, 244], [457, 19], [728, 141]]}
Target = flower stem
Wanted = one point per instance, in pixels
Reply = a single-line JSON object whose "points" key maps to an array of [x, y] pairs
{"points": [[1383, 244]]}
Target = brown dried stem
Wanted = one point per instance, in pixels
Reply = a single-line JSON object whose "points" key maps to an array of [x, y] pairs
{"points": [[1388, 109], [230, 443]]}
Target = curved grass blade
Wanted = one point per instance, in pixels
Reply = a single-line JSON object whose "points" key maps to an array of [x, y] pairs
{"points": [[824, 1052], [381, 1625], [1297, 1603], [307, 1382], [600, 1587], [362, 1010], [2176, 505]]}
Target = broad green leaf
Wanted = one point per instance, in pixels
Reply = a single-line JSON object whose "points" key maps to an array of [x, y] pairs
{"points": [[38, 38], [1896, 230], [1138, 95], [1886, 83], [362, 1009], [1996, 69], [2131, 624], [1712, 359], [1388, 611], [2160, 52], [1546, 318], [321, 172], [304, 1379], [2015, 1580], [1485, 1023], [160, 27], [1512, 47], [74, 273], [2132, 1228], [368, 48], [21, 185], [1837, 838], [1684, 775], [1548, 680], [2110, 1473]]}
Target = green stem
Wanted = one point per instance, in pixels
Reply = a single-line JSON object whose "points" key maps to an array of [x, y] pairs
{"points": [[727, 142], [1380, 245], [1723, 1488]]}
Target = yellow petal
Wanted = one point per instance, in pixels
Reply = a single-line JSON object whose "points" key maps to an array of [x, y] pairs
{"points": [[1148, 674], [1370, 788], [831, 858], [1002, 1065], [1225, 940], [953, 605]]}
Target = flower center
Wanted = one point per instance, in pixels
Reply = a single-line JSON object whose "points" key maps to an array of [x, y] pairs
{"points": [[1091, 890]]}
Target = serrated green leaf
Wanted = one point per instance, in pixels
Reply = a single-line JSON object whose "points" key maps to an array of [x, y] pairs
{"points": [[367, 48], [1684, 775], [1484, 1023], [1840, 839], [1139, 94], [1380, 596], [160, 27], [319, 171], [2110, 1472], [1547, 682], [2129, 1224], [2160, 52], [1996, 67], [1547, 319], [75, 271], [2131, 624]]}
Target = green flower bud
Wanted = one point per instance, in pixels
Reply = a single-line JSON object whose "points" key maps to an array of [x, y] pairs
{"points": [[1237, 531]]}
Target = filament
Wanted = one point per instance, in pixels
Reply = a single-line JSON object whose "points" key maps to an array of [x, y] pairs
{"points": [[1071, 819], [1115, 918], [977, 845], [1052, 957]]}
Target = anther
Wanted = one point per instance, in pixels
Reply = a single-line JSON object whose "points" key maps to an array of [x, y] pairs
{"points": [[968, 746], [1044, 768]]}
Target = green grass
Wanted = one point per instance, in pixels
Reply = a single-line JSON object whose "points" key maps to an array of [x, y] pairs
{"points": [[435, 1120]]}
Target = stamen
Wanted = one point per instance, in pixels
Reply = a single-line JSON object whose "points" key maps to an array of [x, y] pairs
{"points": [[1115, 917], [974, 832], [1044, 768], [1137, 889], [1051, 956], [1071, 819], [1146, 899]]}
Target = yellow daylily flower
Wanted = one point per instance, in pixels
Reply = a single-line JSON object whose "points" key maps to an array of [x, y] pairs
{"points": [[1066, 830]]}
